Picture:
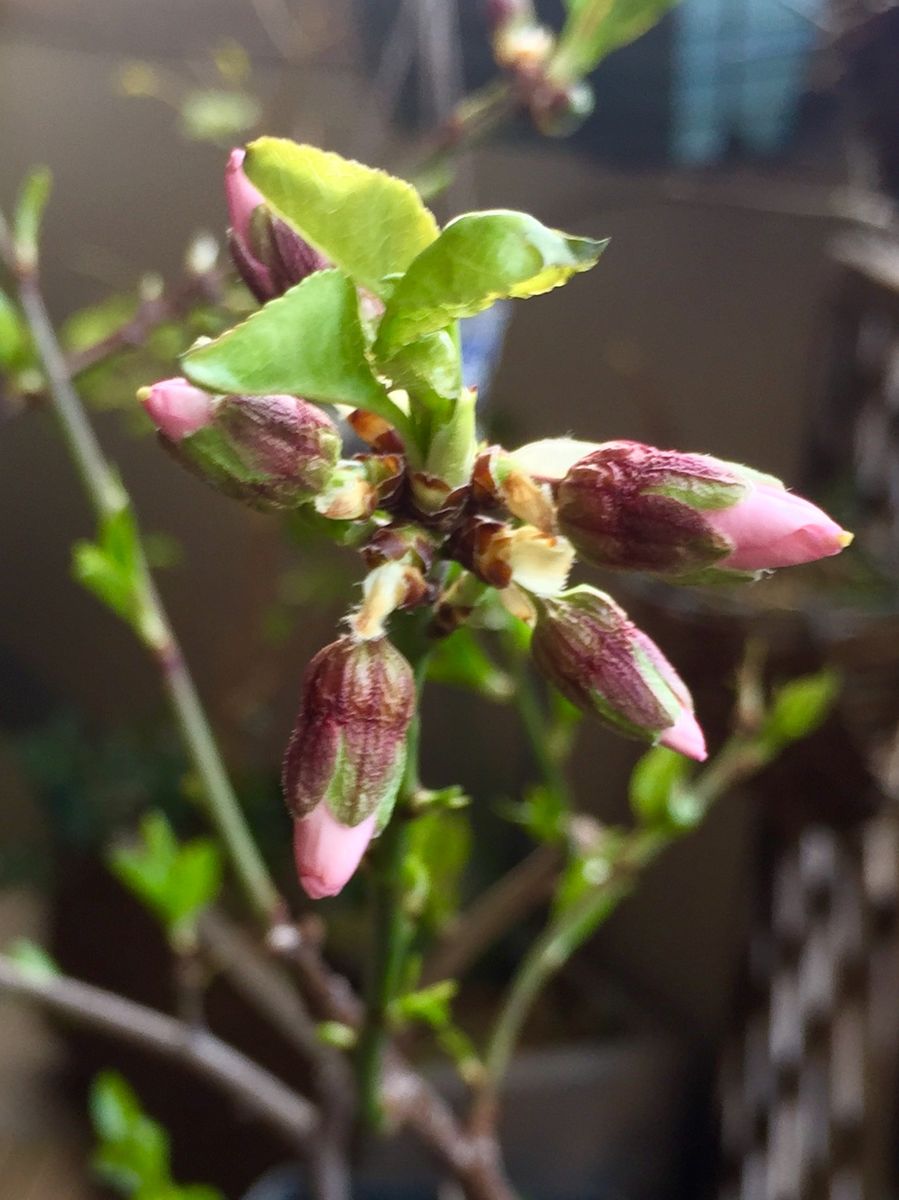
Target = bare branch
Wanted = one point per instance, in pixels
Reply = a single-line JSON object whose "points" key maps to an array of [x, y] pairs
{"points": [[204, 1053]]}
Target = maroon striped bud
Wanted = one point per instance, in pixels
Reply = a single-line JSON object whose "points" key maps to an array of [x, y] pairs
{"points": [[267, 253], [268, 451], [627, 505], [597, 658], [346, 755]]}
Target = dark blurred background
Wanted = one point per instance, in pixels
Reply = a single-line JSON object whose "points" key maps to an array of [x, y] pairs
{"points": [[731, 162]]}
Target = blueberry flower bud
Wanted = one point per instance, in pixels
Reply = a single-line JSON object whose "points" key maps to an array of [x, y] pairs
{"points": [[177, 408], [627, 505], [268, 451], [327, 853], [346, 756], [269, 256], [586, 645]]}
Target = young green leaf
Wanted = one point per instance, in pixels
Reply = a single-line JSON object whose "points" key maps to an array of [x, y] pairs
{"points": [[111, 566], [429, 1006], [597, 27], [461, 661], [133, 1151], [366, 222], [798, 708], [654, 784], [439, 849], [32, 960], [308, 342], [176, 882], [430, 370], [478, 259], [29, 213], [15, 342]]}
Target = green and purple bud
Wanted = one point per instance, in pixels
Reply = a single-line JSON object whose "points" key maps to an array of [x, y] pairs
{"points": [[268, 451], [592, 652], [626, 505], [269, 256], [346, 757]]}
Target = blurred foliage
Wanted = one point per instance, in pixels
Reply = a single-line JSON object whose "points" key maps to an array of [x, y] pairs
{"points": [[133, 1155], [175, 881]]}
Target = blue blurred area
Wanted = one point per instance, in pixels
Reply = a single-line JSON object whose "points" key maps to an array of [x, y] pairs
{"points": [[739, 70]]}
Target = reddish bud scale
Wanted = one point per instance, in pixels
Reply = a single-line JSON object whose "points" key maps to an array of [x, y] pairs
{"points": [[347, 749], [612, 508], [479, 544], [397, 543]]}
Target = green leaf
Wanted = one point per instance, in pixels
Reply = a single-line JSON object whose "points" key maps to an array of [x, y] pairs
{"points": [[461, 661], [430, 370], [439, 849], [133, 1151], [111, 566], [429, 1006], [798, 709], [15, 341], [365, 221], [336, 1034], [480, 258], [33, 961], [176, 882], [655, 782], [29, 214], [308, 342], [597, 27], [217, 115], [91, 325]]}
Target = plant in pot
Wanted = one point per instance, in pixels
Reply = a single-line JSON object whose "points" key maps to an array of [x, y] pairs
{"points": [[466, 550]]}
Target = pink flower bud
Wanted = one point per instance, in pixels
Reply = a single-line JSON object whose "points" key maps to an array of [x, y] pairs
{"points": [[772, 527], [177, 408], [268, 254], [327, 853], [242, 197], [346, 754], [268, 451], [626, 505], [586, 645]]}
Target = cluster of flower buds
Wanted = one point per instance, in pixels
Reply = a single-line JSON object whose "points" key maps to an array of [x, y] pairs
{"points": [[510, 521]]}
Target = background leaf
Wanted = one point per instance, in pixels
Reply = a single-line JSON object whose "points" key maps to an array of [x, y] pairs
{"points": [[597, 27], [29, 214], [478, 259], [133, 1151], [367, 222], [798, 708]]}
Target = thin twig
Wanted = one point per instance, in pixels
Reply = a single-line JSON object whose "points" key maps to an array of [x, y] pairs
{"points": [[270, 991], [205, 1054]]}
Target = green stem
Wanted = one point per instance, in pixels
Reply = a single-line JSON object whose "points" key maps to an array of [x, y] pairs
{"points": [[569, 929], [392, 927], [109, 499], [535, 721]]}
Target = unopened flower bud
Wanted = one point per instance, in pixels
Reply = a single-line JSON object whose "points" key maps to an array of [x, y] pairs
{"points": [[327, 852], [346, 756], [632, 506], [177, 408], [597, 658], [268, 451], [268, 254]]}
